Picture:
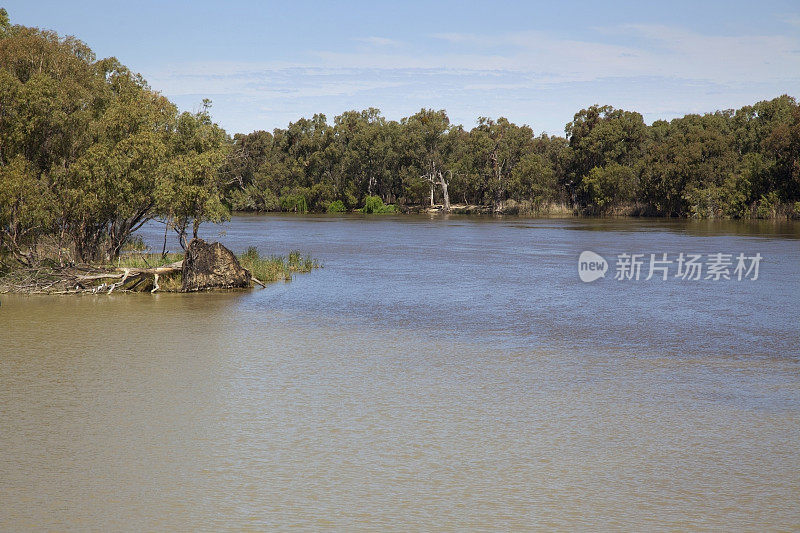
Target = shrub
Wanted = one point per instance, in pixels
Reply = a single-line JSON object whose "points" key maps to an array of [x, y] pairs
{"points": [[320, 195], [768, 205], [608, 186], [294, 202], [374, 205], [336, 207], [254, 198]]}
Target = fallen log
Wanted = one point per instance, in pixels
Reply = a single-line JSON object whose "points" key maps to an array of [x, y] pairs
{"points": [[125, 272]]}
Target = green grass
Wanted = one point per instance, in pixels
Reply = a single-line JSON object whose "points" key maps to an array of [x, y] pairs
{"points": [[143, 260], [265, 269], [276, 268], [135, 244]]}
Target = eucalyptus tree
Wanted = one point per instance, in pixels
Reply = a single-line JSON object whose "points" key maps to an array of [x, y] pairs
{"points": [[429, 150], [362, 152], [499, 145], [600, 136], [89, 152], [192, 185], [767, 133], [533, 179], [687, 162], [111, 189], [254, 163]]}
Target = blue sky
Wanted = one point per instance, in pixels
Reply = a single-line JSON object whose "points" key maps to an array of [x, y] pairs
{"points": [[265, 64]]}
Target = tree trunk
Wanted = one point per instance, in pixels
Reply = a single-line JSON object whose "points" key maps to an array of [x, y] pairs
{"points": [[370, 185], [210, 266], [164, 248], [445, 195]]}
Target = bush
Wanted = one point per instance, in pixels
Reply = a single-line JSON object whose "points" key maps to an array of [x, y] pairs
{"points": [[254, 199], [768, 205], [373, 205], [319, 196], [606, 187], [336, 207], [294, 202]]}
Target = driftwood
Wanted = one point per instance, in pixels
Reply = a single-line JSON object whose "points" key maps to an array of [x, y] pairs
{"points": [[205, 266], [82, 279], [127, 274]]}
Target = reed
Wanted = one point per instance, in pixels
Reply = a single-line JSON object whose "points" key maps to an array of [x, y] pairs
{"points": [[276, 268]]}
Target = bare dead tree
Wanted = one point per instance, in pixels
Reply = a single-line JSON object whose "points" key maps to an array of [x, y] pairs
{"points": [[445, 195], [431, 179], [436, 177]]}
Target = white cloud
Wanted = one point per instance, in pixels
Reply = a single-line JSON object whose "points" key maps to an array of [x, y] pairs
{"points": [[665, 51], [658, 70]]}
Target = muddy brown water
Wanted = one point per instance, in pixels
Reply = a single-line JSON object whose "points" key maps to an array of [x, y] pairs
{"points": [[435, 374]]}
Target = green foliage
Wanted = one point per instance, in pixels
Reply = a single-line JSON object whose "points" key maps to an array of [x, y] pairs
{"points": [[600, 137], [534, 179], [295, 203], [253, 198], [336, 207], [25, 209], [728, 200], [135, 244], [768, 205], [191, 190], [714, 165], [373, 205], [609, 186], [90, 153]]}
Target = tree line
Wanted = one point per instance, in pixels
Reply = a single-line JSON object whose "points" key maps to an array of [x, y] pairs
{"points": [[742, 163], [89, 152]]}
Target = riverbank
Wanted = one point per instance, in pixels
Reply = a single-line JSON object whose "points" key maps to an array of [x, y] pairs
{"points": [[139, 272], [559, 209]]}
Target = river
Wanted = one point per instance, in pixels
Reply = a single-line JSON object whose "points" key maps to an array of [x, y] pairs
{"points": [[434, 374]]}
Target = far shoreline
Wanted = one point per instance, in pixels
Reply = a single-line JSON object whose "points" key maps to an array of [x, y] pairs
{"points": [[487, 212]]}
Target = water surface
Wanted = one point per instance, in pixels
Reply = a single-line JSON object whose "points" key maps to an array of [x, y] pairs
{"points": [[434, 374]]}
